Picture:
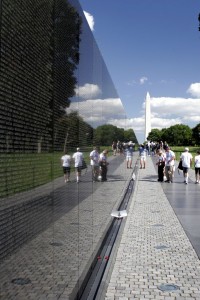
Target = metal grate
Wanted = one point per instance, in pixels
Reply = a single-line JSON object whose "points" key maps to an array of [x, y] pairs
{"points": [[168, 287], [21, 281]]}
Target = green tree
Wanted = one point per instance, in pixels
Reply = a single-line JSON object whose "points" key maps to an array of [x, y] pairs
{"points": [[196, 134], [77, 131], [177, 135], [155, 135], [129, 135], [65, 40], [106, 134]]}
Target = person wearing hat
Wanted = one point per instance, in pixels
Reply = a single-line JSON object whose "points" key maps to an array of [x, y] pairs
{"points": [[186, 159], [103, 165], [169, 164], [78, 163]]}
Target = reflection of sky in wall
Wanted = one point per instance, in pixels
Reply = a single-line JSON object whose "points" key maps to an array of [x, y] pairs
{"points": [[96, 97]]}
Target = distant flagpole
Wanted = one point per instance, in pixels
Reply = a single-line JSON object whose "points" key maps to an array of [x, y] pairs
{"points": [[147, 116]]}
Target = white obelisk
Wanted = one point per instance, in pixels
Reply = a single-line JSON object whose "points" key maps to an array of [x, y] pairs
{"points": [[147, 116]]}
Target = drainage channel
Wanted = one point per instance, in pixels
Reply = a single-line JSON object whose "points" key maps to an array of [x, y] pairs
{"points": [[92, 285]]}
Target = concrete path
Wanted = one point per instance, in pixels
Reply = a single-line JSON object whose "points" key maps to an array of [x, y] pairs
{"points": [[154, 257], [68, 229]]}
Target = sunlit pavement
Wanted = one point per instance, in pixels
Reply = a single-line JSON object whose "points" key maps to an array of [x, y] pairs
{"points": [[154, 258]]}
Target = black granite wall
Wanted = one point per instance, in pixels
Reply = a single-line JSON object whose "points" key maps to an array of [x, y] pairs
{"points": [[54, 90]]}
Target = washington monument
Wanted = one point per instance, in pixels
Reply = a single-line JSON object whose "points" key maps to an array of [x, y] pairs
{"points": [[147, 116]]}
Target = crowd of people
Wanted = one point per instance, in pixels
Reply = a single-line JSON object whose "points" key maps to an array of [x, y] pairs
{"points": [[98, 162], [165, 160]]}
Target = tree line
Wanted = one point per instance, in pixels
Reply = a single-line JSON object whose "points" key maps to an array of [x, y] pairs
{"points": [[77, 131], [178, 135]]}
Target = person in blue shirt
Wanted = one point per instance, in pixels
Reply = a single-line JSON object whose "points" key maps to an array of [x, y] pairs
{"points": [[143, 156], [129, 156]]}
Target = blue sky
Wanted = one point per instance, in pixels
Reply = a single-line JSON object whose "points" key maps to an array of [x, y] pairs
{"points": [[151, 46]]}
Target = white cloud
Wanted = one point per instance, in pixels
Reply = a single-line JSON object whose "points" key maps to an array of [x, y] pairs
{"points": [[90, 20], [131, 83], [160, 123], [99, 111], [194, 89], [183, 108], [143, 79], [140, 81], [88, 91], [137, 124], [169, 111], [165, 111]]}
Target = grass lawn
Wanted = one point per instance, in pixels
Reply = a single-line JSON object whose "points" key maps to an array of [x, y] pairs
{"points": [[22, 172]]}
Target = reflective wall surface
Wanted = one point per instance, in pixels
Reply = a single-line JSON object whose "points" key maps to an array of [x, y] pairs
{"points": [[54, 90]]}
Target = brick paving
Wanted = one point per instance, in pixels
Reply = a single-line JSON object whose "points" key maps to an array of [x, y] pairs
{"points": [[79, 222], [154, 250]]}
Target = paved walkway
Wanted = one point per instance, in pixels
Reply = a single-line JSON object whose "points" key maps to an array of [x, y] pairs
{"points": [[68, 232], [154, 258]]}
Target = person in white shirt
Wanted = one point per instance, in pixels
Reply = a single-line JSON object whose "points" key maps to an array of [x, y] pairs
{"points": [[78, 163], [66, 164], [169, 164], [103, 165], [197, 166], [94, 162], [186, 159]]}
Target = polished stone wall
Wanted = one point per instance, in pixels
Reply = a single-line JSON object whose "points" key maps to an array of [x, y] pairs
{"points": [[54, 90]]}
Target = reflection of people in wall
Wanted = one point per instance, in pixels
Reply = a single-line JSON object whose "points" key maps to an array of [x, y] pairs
{"points": [[143, 156], [66, 164], [78, 163], [114, 148], [94, 162], [103, 165], [129, 156]]}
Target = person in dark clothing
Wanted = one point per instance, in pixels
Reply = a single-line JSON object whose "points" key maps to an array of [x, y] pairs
{"points": [[161, 164]]}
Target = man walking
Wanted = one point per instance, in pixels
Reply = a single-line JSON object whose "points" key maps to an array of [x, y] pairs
{"points": [[186, 159], [78, 163]]}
